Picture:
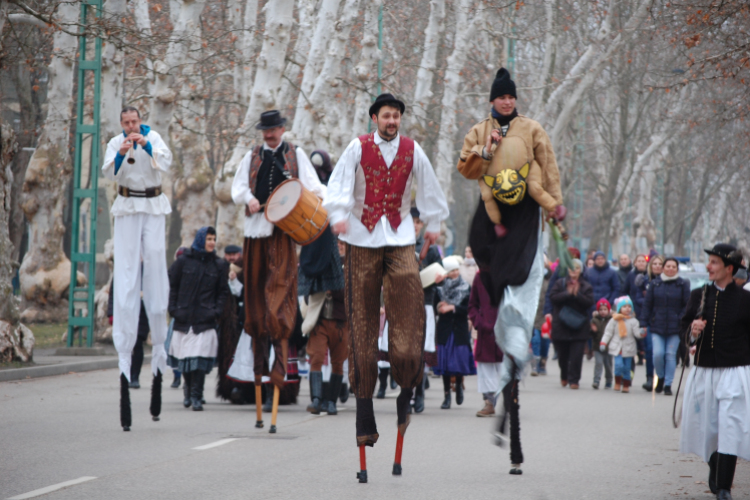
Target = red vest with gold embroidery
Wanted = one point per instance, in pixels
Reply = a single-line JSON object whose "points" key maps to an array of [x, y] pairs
{"points": [[385, 186]]}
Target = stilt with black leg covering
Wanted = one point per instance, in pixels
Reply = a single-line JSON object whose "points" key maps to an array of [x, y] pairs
{"points": [[362, 474], [125, 413], [509, 421], [402, 412], [155, 407], [725, 467], [258, 404]]}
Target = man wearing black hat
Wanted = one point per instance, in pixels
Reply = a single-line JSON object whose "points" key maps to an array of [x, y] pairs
{"points": [[716, 406], [368, 203], [269, 255]]}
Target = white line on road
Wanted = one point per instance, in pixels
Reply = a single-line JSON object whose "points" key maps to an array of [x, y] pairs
{"points": [[54, 487], [215, 444]]}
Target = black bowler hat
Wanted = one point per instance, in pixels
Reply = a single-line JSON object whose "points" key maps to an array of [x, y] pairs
{"points": [[729, 254], [270, 119], [386, 100], [232, 249]]}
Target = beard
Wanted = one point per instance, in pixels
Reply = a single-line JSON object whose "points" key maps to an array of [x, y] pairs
{"points": [[388, 132]]}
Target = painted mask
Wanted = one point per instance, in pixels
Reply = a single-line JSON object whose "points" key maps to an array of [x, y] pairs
{"points": [[508, 186]]}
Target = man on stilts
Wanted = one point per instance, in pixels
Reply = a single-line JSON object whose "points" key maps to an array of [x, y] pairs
{"points": [[506, 232], [269, 255], [135, 160], [716, 406], [368, 203]]}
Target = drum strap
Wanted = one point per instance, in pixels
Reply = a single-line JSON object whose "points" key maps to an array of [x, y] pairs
{"points": [[289, 168]]}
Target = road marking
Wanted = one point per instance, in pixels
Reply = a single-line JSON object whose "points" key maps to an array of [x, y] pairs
{"points": [[50, 489], [215, 444]]}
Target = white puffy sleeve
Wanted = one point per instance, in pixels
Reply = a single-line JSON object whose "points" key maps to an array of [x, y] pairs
{"points": [[308, 175], [339, 200], [241, 194], [113, 146], [433, 208]]}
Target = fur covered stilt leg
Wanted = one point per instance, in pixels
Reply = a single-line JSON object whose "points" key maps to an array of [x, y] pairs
{"points": [[362, 474], [258, 405], [125, 414], [155, 407], [274, 410]]}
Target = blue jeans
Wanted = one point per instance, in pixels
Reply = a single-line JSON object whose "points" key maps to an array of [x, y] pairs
{"points": [[539, 346], [649, 355], [622, 367], [665, 356]]}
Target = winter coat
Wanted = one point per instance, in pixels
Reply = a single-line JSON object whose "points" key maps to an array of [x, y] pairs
{"points": [[625, 346], [552, 280], [664, 305], [601, 323], [483, 317], [636, 293], [580, 303], [622, 275], [456, 322], [198, 289], [605, 283]]}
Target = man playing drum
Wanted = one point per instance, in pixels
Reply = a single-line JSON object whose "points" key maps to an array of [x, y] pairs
{"points": [[270, 259], [368, 202]]}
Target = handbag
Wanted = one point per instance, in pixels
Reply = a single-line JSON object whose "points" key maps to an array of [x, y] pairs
{"points": [[572, 318]]}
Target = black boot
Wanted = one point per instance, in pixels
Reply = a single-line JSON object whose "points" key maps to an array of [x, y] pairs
{"points": [[667, 390], [344, 393], [419, 396], [660, 386], [712, 462], [186, 389], [125, 414], [196, 389], [393, 382], [316, 392], [725, 476], [459, 389], [176, 381], [334, 387], [383, 377], [447, 390], [268, 403], [155, 407]]}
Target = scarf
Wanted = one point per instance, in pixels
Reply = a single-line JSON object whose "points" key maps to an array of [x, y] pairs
{"points": [[666, 278], [502, 119], [622, 329], [199, 242], [454, 291]]}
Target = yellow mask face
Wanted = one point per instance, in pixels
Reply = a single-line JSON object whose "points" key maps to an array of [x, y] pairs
{"points": [[508, 186]]}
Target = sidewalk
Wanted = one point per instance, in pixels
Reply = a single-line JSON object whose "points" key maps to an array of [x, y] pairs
{"points": [[47, 364]]}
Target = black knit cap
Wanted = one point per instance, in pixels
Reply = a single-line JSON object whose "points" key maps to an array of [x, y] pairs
{"points": [[729, 254], [386, 100], [502, 85]]}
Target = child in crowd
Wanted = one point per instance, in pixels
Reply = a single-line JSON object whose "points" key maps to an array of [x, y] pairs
{"points": [[620, 340], [601, 317]]}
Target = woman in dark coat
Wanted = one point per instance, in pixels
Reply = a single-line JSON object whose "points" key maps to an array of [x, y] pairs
{"points": [[663, 308], [452, 334], [199, 288], [487, 354], [571, 299]]}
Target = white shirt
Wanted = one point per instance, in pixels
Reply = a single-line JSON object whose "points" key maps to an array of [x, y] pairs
{"points": [[144, 173], [347, 189], [256, 225]]}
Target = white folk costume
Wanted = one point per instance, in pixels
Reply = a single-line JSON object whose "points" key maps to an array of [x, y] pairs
{"points": [[269, 255], [139, 214], [370, 188], [716, 405], [510, 256]]}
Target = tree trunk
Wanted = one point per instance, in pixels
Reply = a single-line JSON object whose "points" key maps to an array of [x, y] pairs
{"points": [[269, 70], [367, 68], [244, 26], [45, 271], [427, 66]]}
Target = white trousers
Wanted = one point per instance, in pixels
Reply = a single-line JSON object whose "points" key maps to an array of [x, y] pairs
{"points": [[488, 377], [140, 236]]}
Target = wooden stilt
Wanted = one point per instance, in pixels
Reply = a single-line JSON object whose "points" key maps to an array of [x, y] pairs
{"points": [[275, 409], [258, 406], [399, 449], [362, 474]]}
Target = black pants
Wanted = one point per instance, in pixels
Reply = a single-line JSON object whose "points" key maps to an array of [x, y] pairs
{"points": [[137, 361], [570, 359]]}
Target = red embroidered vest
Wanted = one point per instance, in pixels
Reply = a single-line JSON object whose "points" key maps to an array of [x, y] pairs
{"points": [[290, 165], [385, 186]]}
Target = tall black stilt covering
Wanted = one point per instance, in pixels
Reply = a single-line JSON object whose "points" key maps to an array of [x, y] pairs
{"points": [[125, 414], [510, 396], [155, 407]]}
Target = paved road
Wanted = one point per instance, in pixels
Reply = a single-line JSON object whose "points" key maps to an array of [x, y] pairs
{"points": [[578, 445]]}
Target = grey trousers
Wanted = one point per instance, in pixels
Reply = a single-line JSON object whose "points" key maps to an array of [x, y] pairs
{"points": [[602, 359]]}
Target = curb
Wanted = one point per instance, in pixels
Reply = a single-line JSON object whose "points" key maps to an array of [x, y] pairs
{"points": [[60, 369]]}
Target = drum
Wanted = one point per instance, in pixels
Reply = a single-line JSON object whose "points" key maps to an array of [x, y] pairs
{"points": [[297, 211]]}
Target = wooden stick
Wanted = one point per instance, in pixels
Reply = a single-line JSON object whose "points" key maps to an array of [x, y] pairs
{"points": [[399, 449], [258, 406], [362, 474], [275, 410]]}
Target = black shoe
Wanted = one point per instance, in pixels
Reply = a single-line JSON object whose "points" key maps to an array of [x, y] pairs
{"points": [[381, 392], [724, 495], [316, 392], [667, 390], [334, 389], [135, 384], [648, 385], [447, 402], [383, 377], [344, 393], [660, 386], [176, 382], [459, 392], [196, 389], [186, 390]]}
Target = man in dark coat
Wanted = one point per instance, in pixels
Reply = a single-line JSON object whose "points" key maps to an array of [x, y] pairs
{"points": [[622, 272], [603, 280]]}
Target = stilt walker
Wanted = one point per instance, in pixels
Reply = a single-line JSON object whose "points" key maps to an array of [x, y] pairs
{"points": [[716, 406], [135, 160], [368, 200], [269, 254], [510, 155]]}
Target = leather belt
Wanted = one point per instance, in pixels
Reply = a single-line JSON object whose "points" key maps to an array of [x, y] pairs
{"points": [[134, 193]]}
